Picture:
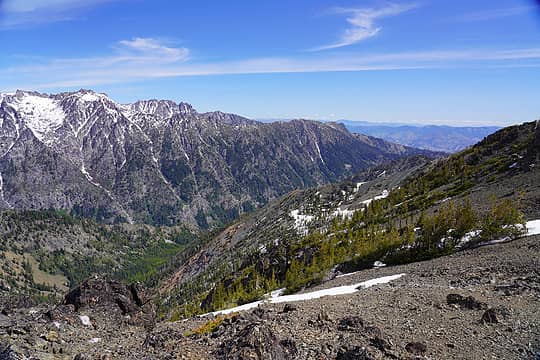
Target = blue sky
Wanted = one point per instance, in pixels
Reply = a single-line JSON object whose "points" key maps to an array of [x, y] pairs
{"points": [[428, 61]]}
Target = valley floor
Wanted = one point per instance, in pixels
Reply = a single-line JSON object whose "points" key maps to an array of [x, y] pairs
{"points": [[482, 303]]}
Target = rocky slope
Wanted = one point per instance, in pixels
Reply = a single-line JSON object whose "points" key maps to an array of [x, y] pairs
{"points": [[481, 303], [160, 162]]}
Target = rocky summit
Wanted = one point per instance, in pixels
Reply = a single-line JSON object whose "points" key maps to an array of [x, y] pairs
{"points": [[161, 162]]}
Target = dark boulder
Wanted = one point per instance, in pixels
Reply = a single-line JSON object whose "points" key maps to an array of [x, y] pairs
{"points": [[107, 299], [257, 341], [288, 308], [97, 292], [351, 323], [416, 348], [468, 302], [490, 317], [353, 353]]}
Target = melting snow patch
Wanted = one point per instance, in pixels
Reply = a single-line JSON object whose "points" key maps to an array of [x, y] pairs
{"points": [[85, 320], [358, 186], [533, 227], [384, 194], [276, 298], [379, 264], [468, 237], [94, 340], [301, 221], [343, 213]]}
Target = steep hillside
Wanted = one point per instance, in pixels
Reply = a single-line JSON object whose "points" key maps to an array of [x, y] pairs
{"points": [[160, 162], [44, 253], [403, 211]]}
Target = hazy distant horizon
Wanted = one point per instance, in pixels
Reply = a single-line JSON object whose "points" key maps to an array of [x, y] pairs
{"points": [[394, 124]]}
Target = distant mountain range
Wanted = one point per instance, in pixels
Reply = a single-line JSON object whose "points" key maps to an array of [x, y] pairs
{"points": [[160, 162], [443, 138], [433, 137]]}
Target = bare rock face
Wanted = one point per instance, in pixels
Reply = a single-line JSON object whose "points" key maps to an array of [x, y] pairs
{"points": [[160, 162], [108, 299]]}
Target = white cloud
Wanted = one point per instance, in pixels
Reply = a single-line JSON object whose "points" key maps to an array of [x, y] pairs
{"points": [[362, 23], [145, 48], [20, 13], [135, 58], [493, 14], [142, 59]]}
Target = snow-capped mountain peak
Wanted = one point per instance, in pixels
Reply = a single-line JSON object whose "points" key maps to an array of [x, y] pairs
{"points": [[90, 96], [40, 113], [163, 109]]}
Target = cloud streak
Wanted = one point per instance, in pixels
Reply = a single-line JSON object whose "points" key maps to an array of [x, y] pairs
{"points": [[362, 23], [141, 59], [22, 13], [493, 14]]}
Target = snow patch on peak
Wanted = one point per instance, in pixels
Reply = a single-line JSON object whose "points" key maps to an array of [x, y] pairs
{"points": [[4, 95], [89, 97], [41, 114]]}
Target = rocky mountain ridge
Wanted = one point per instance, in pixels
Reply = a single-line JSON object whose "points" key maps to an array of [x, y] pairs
{"points": [[160, 162]]}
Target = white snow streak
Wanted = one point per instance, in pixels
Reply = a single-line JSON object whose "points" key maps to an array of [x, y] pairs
{"points": [[2, 191], [357, 188], [338, 290], [109, 194], [384, 194], [319, 151]]}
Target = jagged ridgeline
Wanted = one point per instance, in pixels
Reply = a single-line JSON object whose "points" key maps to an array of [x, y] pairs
{"points": [[409, 210], [163, 163]]}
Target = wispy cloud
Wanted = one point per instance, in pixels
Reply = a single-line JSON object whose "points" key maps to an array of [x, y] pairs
{"points": [[362, 23], [145, 49], [127, 59], [20, 13], [141, 59], [493, 14]]}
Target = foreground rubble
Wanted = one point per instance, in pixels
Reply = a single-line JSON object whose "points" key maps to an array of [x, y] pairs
{"points": [[481, 304]]}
